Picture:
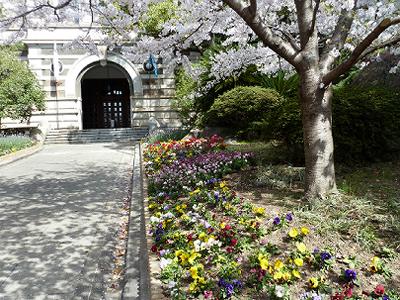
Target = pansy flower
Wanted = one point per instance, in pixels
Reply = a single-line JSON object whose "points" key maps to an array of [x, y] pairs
{"points": [[350, 275]]}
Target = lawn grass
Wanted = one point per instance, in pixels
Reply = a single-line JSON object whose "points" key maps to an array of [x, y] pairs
{"points": [[9, 144]]}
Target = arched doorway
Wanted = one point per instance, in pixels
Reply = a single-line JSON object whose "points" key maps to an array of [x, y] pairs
{"points": [[105, 97]]}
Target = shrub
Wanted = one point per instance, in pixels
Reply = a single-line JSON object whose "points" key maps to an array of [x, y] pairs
{"points": [[20, 92], [241, 106], [283, 124], [183, 102], [366, 123]]}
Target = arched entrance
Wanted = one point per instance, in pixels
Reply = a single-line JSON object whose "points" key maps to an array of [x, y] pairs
{"points": [[105, 97]]}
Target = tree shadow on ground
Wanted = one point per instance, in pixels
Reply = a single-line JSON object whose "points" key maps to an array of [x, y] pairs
{"points": [[58, 229]]}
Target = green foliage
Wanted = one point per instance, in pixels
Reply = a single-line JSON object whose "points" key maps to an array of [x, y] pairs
{"points": [[164, 135], [183, 102], [240, 106], [9, 144], [283, 124], [285, 84], [157, 14], [366, 123], [20, 92]]}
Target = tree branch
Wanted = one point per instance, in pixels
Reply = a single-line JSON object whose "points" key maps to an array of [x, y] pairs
{"points": [[35, 9], [339, 37], [305, 14], [290, 39], [359, 50], [314, 19], [271, 40], [372, 49]]}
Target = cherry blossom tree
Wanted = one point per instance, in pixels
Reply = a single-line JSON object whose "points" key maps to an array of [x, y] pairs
{"points": [[319, 39]]}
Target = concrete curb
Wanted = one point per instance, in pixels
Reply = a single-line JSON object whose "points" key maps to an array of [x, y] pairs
{"points": [[21, 154], [154, 266], [137, 284]]}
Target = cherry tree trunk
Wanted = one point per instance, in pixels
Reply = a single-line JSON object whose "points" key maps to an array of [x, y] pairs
{"points": [[316, 106]]}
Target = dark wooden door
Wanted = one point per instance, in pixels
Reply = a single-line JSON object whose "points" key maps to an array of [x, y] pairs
{"points": [[105, 103]]}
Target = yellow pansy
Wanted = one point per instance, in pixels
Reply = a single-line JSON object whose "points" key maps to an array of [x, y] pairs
{"points": [[183, 256], [259, 211], [201, 280], [193, 256], [196, 191], [313, 282], [278, 265], [296, 274], [185, 217], [375, 265], [278, 275], [301, 247], [298, 262], [222, 184], [152, 205], [305, 230], [203, 236], [193, 286], [293, 232], [194, 271], [222, 225], [287, 276], [264, 263]]}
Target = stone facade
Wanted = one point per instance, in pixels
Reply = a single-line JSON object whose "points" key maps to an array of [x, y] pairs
{"points": [[149, 96]]}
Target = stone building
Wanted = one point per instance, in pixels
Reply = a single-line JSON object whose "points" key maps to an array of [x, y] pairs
{"points": [[94, 91]]}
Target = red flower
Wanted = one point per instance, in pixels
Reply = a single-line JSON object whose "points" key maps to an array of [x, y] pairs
{"points": [[228, 227], [337, 296], [348, 292], [234, 242], [379, 290], [154, 248], [190, 237], [229, 249]]}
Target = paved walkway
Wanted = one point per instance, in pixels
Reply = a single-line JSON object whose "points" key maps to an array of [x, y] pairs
{"points": [[59, 210]]}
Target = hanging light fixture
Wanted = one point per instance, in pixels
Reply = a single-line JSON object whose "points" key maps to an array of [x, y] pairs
{"points": [[108, 80]]}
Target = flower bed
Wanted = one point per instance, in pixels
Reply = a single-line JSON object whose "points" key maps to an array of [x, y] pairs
{"points": [[211, 244]]}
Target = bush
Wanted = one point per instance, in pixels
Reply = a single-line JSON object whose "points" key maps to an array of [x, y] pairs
{"points": [[365, 125], [20, 92], [183, 102], [241, 106], [283, 124]]}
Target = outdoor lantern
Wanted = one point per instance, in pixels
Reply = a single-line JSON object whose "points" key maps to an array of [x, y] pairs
{"points": [[150, 65]]}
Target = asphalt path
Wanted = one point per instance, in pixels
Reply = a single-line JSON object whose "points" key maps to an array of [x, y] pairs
{"points": [[59, 212]]}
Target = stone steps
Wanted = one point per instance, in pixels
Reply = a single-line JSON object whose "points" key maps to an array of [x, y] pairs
{"points": [[73, 136]]}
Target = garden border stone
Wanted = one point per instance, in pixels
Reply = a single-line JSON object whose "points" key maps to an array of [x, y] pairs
{"points": [[136, 269], [156, 292], [21, 154]]}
